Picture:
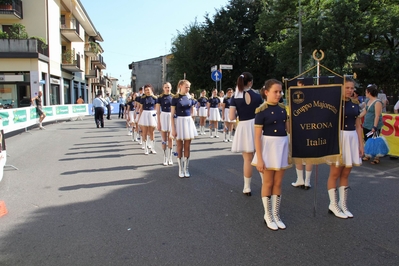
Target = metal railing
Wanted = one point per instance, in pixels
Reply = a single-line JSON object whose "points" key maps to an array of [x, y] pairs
{"points": [[14, 8]]}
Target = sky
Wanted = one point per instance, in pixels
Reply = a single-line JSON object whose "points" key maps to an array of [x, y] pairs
{"points": [[138, 30]]}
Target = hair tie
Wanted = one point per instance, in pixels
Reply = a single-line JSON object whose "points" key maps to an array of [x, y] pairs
{"points": [[242, 75]]}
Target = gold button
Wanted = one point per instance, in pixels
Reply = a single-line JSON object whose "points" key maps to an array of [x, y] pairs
{"points": [[346, 116], [272, 113], [353, 106], [275, 130], [284, 120], [346, 125], [275, 122]]}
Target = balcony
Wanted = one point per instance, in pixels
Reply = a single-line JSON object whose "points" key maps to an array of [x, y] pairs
{"points": [[10, 11], [92, 73], [72, 31], [99, 82], [29, 48], [69, 62], [92, 49], [99, 62]]}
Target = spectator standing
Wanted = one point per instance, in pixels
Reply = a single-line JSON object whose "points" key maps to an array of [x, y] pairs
{"points": [[122, 102], [396, 108], [383, 98], [80, 100], [98, 105], [108, 101], [38, 102]]}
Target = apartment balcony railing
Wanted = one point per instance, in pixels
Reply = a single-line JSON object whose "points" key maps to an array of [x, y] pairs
{"points": [[70, 62], [91, 49], [99, 82], [99, 62], [28, 48], [9, 11], [92, 73], [71, 31]]}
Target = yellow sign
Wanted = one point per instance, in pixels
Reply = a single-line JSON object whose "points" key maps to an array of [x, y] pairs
{"points": [[390, 131]]}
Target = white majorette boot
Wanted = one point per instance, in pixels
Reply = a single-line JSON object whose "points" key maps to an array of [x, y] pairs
{"points": [[165, 158], [216, 133], [299, 181], [210, 133], [225, 136], [185, 167], [203, 130], [333, 207], [230, 139], [268, 217], [343, 197], [170, 157], [140, 139], [179, 162], [276, 200], [247, 186], [145, 147], [153, 147], [307, 180]]}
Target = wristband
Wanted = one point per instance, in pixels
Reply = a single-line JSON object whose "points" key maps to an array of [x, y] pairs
{"points": [[375, 128]]}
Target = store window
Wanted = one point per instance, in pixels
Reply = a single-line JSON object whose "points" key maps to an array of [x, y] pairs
{"points": [[67, 91], [8, 96]]}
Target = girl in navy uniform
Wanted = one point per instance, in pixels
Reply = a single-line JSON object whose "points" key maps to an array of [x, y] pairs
{"points": [[352, 152], [163, 115], [147, 120], [271, 144], [213, 113], [202, 113], [244, 103], [228, 124], [183, 127], [195, 111], [130, 116]]}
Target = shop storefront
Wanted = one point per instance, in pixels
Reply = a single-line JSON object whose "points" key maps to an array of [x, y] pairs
{"points": [[14, 90]]}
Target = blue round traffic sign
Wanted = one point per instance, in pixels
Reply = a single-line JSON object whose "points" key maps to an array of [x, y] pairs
{"points": [[216, 75]]}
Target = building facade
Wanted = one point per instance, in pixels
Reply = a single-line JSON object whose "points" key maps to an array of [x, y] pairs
{"points": [[50, 46], [152, 71]]}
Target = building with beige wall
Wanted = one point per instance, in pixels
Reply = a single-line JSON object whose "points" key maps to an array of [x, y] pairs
{"points": [[61, 56]]}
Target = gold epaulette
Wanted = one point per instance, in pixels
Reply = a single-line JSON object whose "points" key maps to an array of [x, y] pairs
{"points": [[281, 105], [176, 95], [161, 95], [355, 101], [155, 97], [261, 108], [143, 96], [204, 97]]}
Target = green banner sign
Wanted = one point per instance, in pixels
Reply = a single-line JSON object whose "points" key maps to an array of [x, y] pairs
{"points": [[62, 110], [48, 111], [76, 109], [20, 116], [5, 118], [33, 113]]}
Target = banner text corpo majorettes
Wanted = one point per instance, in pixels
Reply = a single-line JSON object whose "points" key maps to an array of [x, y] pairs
{"points": [[315, 117]]}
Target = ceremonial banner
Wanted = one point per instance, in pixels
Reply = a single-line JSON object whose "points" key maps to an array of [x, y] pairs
{"points": [[390, 131], [315, 117]]}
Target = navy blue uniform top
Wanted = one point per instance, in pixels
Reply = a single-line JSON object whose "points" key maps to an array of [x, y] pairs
{"points": [[227, 102], [272, 120], [202, 101], [165, 101], [130, 105], [350, 114], [148, 102], [214, 102], [246, 111], [182, 105]]}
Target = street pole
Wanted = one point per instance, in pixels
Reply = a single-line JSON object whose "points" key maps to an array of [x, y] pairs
{"points": [[300, 36]]}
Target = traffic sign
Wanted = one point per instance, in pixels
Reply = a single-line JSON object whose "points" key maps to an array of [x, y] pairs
{"points": [[215, 67], [225, 66], [216, 75]]}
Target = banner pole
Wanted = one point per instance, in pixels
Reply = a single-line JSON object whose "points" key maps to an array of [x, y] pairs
{"points": [[315, 191]]}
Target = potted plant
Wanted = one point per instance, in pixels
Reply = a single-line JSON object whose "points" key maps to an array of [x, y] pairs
{"points": [[94, 47], [68, 56], [18, 31], [6, 4], [3, 35]]}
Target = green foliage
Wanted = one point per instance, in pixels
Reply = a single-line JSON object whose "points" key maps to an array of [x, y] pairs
{"points": [[262, 37], [43, 44], [68, 56], [18, 31], [3, 35]]}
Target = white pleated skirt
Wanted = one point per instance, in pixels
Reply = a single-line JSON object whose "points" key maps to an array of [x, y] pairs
{"points": [[195, 112], [274, 153], [131, 116], [136, 117], [227, 116], [350, 149], [148, 118], [243, 140], [165, 122], [214, 114], [202, 111], [185, 128]]}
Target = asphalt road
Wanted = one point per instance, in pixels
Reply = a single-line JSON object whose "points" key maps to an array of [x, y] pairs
{"points": [[88, 196]]}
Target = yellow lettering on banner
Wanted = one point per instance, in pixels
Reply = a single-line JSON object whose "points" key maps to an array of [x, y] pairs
{"points": [[316, 142], [316, 126]]}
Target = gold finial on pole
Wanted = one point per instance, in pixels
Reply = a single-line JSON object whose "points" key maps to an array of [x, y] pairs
{"points": [[318, 63]]}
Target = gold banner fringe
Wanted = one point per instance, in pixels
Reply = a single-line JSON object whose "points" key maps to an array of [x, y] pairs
{"points": [[329, 159]]}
